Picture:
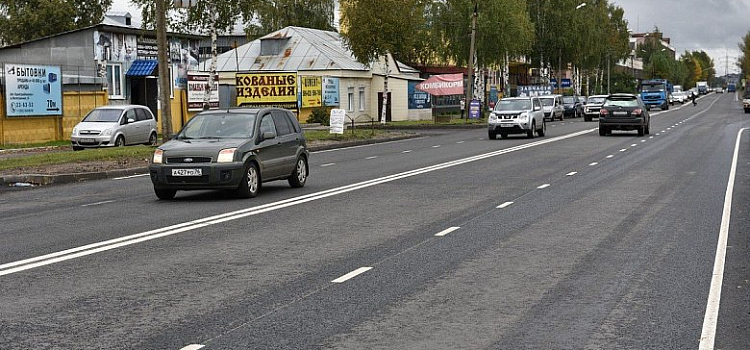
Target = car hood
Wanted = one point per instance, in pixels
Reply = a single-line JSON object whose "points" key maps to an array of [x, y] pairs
{"points": [[513, 112], [96, 126], [199, 147]]}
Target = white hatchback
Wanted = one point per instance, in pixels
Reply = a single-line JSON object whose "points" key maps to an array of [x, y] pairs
{"points": [[115, 126]]}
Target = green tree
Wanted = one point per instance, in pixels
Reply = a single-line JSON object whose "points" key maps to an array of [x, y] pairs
{"points": [[24, 20], [743, 61]]}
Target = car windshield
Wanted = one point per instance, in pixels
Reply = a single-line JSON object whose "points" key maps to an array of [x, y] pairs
{"points": [[621, 102], [513, 105], [219, 126], [654, 87], [596, 100], [568, 100], [547, 102], [103, 116]]}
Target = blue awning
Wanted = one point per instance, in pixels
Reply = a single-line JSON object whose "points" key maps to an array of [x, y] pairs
{"points": [[141, 68]]}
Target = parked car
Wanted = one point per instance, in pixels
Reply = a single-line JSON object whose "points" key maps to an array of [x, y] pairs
{"points": [[552, 107], [594, 104], [572, 106], [236, 149], [115, 126], [746, 100], [517, 115], [624, 112], [680, 97], [719, 90]]}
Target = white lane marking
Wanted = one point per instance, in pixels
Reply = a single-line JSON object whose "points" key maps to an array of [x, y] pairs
{"points": [[504, 205], [193, 347], [99, 247], [129, 177], [594, 163], [623, 150], [436, 146], [352, 274], [708, 333], [662, 131], [460, 141], [571, 173], [643, 141], [446, 231], [407, 151], [372, 157], [327, 165], [657, 134], [97, 203], [610, 156], [669, 128], [634, 145], [368, 145], [543, 186]]}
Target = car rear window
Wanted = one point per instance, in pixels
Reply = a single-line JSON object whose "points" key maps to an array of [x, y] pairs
{"points": [[622, 102], [212, 125], [103, 115], [568, 100], [596, 100], [548, 101]]}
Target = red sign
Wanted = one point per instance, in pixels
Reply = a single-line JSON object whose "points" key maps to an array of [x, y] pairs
{"points": [[445, 84]]}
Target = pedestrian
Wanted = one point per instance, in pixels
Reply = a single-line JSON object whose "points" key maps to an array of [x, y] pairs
{"points": [[692, 97], [463, 107]]}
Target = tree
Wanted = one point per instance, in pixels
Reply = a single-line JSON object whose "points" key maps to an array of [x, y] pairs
{"points": [[24, 20], [744, 60]]}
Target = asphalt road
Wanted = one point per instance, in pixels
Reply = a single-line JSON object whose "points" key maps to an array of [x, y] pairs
{"points": [[450, 241]]}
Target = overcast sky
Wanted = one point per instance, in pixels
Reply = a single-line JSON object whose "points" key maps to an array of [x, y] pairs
{"points": [[714, 26]]}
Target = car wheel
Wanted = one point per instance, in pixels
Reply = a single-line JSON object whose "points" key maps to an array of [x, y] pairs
{"points": [[152, 139], [250, 183], [119, 141], [299, 175], [503, 135], [530, 132], [587, 119], [747, 110], [641, 130], [602, 131], [562, 116], [543, 130], [648, 129], [165, 194], [492, 135]]}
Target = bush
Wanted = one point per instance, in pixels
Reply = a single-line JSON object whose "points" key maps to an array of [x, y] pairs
{"points": [[321, 115]]}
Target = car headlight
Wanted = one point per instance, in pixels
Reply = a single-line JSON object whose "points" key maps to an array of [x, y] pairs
{"points": [[226, 155], [523, 116], [75, 132], [493, 118], [158, 156], [107, 132]]}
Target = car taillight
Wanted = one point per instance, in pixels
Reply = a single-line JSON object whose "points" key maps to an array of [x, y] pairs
{"points": [[637, 111], [603, 112]]}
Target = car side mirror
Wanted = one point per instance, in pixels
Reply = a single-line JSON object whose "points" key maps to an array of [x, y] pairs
{"points": [[268, 135]]}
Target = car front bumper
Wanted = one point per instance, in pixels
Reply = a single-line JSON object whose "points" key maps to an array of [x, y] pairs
{"points": [[92, 141], [212, 176], [510, 127]]}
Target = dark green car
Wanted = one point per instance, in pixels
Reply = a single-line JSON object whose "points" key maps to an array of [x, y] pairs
{"points": [[235, 149]]}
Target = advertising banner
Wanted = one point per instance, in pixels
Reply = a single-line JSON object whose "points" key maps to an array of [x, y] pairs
{"points": [[445, 84], [418, 99], [312, 91], [331, 92], [267, 89], [197, 83], [32, 90]]}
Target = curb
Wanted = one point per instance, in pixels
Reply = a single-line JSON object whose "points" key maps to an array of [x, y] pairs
{"points": [[35, 180]]}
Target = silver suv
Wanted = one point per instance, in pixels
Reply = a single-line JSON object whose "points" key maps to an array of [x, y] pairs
{"points": [[517, 115], [116, 126]]}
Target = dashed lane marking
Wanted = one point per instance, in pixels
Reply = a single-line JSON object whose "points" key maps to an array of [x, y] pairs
{"points": [[446, 231]]}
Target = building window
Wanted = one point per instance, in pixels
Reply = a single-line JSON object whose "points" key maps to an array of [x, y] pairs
{"points": [[114, 80], [361, 99], [350, 99]]}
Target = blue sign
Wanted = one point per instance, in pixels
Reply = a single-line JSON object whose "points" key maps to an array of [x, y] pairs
{"points": [[493, 93], [331, 92], [534, 90], [565, 83], [32, 90], [418, 99], [474, 109]]}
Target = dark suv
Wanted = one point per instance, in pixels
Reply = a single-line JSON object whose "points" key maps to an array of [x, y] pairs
{"points": [[236, 149], [572, 106], [624, 112]]}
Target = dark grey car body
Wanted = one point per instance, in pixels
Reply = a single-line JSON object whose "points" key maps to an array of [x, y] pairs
{"points": [[275, 147], [624, 112]]}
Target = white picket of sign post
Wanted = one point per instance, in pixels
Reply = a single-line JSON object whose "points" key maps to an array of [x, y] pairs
{"points": [[338, 116]]}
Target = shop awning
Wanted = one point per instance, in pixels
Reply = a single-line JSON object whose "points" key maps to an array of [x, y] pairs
{"points": [[141, 68]]}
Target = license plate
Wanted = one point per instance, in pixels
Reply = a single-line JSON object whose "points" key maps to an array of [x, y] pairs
{"points": [[506, 125], [186, 172], [620, 113], [87, 140]]}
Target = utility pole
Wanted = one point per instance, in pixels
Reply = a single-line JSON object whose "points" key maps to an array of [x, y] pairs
{"points": [[472, 57], [164, 80]]}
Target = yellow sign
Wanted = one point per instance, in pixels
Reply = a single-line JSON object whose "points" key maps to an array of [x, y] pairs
{"points": [[266, 88], [312, 91]]}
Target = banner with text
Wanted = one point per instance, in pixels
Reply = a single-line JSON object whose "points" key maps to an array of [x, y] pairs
{"points": [[197, 83], [312, 91], [445, 84], [32, 90], [267, 89], [331, 92]]}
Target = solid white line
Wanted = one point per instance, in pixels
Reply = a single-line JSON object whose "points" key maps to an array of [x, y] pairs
{"points": [[129, 177], [372, 157], [571, 173], [99, 247], [543, 186], [97, 203], [593, 164], [504, 205], [352, 274], [327, 165], [708, 333], [193, 347], [446, 231]]}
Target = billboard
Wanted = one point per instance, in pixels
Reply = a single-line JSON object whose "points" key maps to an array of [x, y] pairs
{"points": [[267, 89], [196, 91], [312, 91], [32, 90], [418, 99], [331, 92], [445, 84]]}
